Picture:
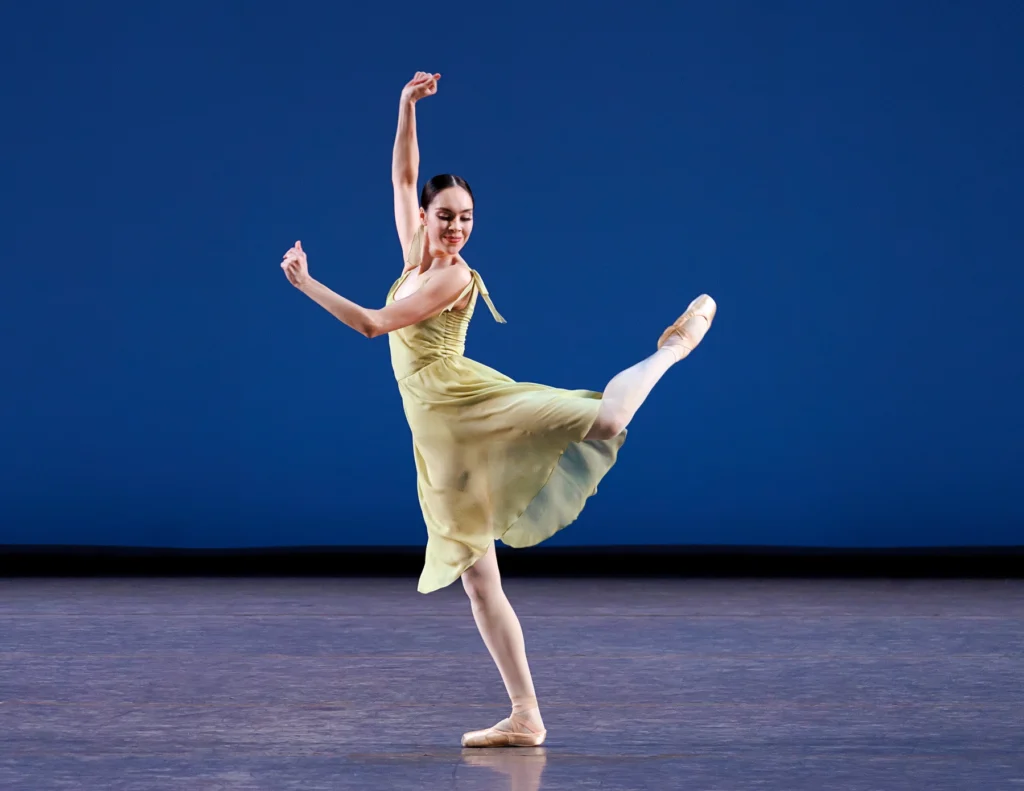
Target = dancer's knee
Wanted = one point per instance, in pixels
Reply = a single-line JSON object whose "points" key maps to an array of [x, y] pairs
{"points": [[608, 424], [481, 585]]}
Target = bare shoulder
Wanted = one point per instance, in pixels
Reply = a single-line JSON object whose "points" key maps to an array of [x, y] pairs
{"points": [[460, 274], [451, 281], [463, 276], [457, 273]]}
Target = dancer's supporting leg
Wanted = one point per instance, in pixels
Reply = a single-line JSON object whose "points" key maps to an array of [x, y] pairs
{"points": [[495, 618], [503, 637], [629, 389]]}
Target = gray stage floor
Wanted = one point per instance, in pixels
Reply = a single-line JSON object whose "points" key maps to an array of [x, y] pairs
{"points": [[336, 684]]}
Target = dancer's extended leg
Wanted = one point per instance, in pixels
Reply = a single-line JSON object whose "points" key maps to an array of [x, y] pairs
{"points": [[629, 389], [503, 636]]}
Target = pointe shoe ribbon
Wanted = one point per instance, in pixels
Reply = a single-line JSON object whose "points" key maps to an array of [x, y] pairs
{"points": [[497, 736], [702, 307]]}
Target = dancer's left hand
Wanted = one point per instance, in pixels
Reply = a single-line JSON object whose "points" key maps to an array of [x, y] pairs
{"points": [[295, 267]]}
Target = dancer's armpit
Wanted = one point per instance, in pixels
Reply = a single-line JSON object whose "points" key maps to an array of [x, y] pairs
{"points": [[407, 214]]}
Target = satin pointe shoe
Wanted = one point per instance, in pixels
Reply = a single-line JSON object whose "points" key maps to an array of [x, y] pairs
{"points": [[510, 732], [690, 328]]}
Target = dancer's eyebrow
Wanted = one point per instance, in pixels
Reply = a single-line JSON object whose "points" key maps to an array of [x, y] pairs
{"points": [[464, 211]]}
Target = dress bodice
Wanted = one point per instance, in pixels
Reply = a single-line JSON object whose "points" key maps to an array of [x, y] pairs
{"points": [[444, 335]]}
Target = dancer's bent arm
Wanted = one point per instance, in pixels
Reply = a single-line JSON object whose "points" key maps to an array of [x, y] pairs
{"points": [[440, 290], [405, 160]]}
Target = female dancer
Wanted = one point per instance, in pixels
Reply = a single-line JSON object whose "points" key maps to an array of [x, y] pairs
{"points": [[494, 458]]}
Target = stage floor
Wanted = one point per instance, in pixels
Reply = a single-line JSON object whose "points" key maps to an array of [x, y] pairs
{"points": [[334, 684]]}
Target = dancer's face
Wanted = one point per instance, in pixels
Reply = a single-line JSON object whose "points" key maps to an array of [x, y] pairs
{"points": [[449, 220]]}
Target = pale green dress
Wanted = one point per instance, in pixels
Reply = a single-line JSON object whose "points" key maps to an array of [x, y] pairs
{"points": [[495, 458]]}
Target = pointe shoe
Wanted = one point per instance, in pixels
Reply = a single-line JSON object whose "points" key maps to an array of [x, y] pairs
{"points": [[503, 735], [690, 328]]}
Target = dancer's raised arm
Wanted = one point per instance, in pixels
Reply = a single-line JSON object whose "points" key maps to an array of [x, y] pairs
{"points": [[405, 161]]}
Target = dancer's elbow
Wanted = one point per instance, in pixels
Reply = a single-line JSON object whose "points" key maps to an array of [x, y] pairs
{"points": [[371, 326]]}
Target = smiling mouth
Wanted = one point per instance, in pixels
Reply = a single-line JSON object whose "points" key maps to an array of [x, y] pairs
{"points": [[453, 239]]}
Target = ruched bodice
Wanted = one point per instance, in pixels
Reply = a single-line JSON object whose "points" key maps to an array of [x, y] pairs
{"points": [[418, 345]]}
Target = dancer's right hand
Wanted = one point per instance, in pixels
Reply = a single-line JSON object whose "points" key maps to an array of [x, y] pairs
{"points": [[421, 85]]}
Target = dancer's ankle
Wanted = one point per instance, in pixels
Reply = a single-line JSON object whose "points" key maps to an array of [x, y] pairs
{"points": [[524, 705], [526, 715], [672, 353]]}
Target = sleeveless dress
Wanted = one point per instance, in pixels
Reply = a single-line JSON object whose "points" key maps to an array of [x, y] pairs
{"points": [[495, 458]]}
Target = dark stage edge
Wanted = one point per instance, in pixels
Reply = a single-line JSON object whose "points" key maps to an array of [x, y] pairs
{"points": [[612, 562], [647, 685]]}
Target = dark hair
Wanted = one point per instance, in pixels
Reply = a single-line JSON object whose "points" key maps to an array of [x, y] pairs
{"points": [[442, 182]]}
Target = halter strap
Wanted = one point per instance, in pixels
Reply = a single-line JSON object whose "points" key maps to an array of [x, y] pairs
{"points": [[487, 297]]}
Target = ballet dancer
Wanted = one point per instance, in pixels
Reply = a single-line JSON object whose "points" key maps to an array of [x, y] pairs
{"points": [[495, 458]]}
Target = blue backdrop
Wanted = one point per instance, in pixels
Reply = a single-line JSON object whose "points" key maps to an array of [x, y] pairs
{"points": [[844, 178]]}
